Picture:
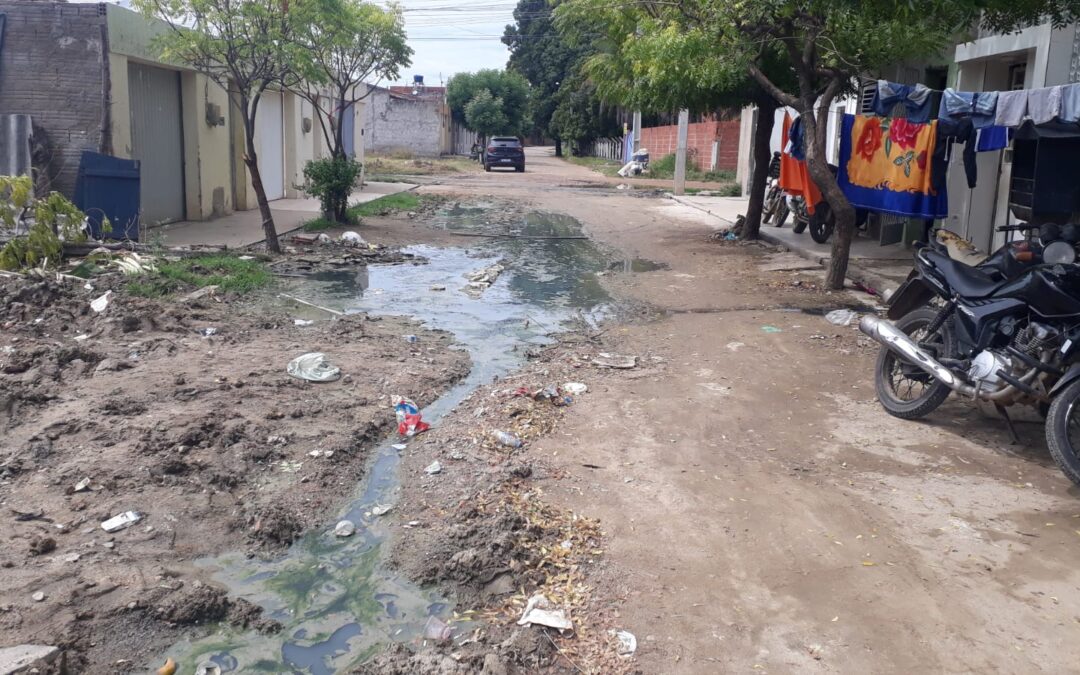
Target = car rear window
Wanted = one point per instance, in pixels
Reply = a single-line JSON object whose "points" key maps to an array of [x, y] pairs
{"points": [[506, 142]]}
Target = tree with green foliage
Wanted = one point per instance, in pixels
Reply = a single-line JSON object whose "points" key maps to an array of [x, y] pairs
{"points": [[507, 91], [246, 47]]}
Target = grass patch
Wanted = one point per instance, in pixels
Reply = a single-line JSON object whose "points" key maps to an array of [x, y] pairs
{"points": [[662, 169], [607, 167], [402, 201], [726, 190], [227, 272], [319, 224]]}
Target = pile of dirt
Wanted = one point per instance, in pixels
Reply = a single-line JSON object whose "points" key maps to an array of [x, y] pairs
{"points": [[180, 411]]}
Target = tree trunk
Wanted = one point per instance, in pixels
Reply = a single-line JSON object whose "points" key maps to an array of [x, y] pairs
{"points": [[818, 167], [252, 161], [558, 148], [762, 153]]}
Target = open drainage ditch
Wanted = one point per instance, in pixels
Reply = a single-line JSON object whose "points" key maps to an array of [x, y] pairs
{"points": [[338, 604]]}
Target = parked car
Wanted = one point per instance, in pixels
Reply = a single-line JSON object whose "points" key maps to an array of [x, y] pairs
{"points": [[504, 151]]}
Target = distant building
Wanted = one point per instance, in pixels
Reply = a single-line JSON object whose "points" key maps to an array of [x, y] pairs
{"points": [[413, 120]]}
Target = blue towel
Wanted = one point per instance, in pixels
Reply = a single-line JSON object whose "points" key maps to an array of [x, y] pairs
{"points": [[993, 138]]}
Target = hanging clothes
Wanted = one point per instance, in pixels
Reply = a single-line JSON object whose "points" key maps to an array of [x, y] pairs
{"points": [[992, 138], [1070, 103], [1044, 104], [1011, 108], [980, 106], [795, 145], [949, 133], [794, 177], [885, 165], [916, 100]]}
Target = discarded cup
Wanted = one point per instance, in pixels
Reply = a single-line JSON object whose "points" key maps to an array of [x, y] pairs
{"points": [[508, 439], [436, 629], [125, 519]]}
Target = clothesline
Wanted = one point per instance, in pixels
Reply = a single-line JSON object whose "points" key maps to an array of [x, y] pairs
{"points": [[985, 108]]}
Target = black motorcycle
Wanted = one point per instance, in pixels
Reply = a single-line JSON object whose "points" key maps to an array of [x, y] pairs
{"points": [[1006, 332]]}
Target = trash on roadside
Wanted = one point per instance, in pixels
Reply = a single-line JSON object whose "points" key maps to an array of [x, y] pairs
{"points": [[201, 293], [408, 417], [606, 360], [399, 446], [302, 322], [83, 485], [771, 329], [575, 388], [481, 280], [438, 287], [627, 642], [433, 468], [169, 668], [208, 331], [539, 611], [381, 509], [841, 317], [508, 439], [208, 668], [125, 519], [436, 629], [38, 596], [313, 367], [323, 238], [411, 338], [344, 528], [80, 338], [99, 304], [351, 238], [132, 263]]}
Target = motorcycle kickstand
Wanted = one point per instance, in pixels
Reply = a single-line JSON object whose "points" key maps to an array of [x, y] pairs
{"points": [[1008, 422]]}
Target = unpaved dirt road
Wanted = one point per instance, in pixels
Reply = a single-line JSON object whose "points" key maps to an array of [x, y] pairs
{"points": [[761, 512]]}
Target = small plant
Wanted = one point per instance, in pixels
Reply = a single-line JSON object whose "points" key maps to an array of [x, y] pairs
{"points": [[331, 180], [43, 224], [227, 272], [401, 201]]}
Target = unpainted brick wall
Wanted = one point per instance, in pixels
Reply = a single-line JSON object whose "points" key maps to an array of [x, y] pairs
{"points": [[51, 69], [662, 141], [393, 124]]}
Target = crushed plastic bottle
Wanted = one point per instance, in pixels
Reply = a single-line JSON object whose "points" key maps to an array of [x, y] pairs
{"points": [[508, 439]]}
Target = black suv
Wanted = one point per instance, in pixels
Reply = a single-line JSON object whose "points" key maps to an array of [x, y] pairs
{"points": [[504, 151]]}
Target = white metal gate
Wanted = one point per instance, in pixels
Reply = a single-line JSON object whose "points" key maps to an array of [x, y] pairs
{"points": [[157, 141], [271, 137]]}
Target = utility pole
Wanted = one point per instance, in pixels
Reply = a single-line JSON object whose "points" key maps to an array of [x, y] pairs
{"points": [[637, 130], [680, 152]]}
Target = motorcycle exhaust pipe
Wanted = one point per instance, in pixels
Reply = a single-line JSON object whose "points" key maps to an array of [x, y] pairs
{"points": [[893, 338]]}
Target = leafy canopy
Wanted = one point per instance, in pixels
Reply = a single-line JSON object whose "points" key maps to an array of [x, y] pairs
{"points": [[508, 91]]}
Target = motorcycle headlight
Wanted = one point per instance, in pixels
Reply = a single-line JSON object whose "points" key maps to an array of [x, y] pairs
{"points": [[1059, 253]]}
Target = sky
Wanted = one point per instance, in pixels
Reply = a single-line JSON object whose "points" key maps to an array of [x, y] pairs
{"points": [[452, 36]]}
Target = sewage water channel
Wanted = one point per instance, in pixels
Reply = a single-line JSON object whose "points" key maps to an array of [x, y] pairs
{"points": [[338, 604]]}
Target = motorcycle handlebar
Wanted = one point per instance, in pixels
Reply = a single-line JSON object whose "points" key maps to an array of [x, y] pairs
{"points": [[1022, 227]]}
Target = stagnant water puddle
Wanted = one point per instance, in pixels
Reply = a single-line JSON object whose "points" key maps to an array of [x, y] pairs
{"points": [[338, 604]]}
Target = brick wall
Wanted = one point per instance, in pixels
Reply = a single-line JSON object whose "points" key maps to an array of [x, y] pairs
{"points": [[394, 124], [51, 69], [662, 141]]}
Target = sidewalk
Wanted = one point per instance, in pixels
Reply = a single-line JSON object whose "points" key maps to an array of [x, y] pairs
{"points": [[243, 228], [877, 266]]}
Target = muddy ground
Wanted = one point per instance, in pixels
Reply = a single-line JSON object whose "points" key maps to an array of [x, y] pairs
{"points": [[139, 409]]}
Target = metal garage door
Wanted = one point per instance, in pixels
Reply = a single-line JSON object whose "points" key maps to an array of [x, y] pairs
{"points": [[271, 144], [157, 141]]}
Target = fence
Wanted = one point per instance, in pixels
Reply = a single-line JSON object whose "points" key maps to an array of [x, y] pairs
{"points": [[461, 139], [712, 145], [605, 148]]}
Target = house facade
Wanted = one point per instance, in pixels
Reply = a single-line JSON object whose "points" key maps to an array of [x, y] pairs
{"points": [[89, 77], [407, 120]]}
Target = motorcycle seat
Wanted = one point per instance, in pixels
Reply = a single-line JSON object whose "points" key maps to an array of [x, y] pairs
{"points": [[965, 280]]}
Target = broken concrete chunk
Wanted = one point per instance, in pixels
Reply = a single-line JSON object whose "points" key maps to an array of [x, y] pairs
{"points": [[605, 360], [22, 658]]}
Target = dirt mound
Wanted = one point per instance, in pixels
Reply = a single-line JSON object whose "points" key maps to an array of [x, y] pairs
{"points": [[498, 651]]}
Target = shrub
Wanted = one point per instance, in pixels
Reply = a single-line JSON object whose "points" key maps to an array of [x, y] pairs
{"points": [[48, 221], [331, 180]]}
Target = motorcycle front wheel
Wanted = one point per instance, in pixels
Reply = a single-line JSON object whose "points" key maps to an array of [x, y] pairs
{"points": [[904, 390], [1063, 431], [822, 223]]}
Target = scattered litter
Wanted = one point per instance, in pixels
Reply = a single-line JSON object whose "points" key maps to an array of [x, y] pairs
{"points": [[411, 338], [133, 263], [313, 367], [323, 238], [208, 668], [399, 446], [208, 331], [575, 388], [101, 303], [408, 417], [83, 485], [735, 346], [508, 439], [80, 338], [125, 519], [321, 453], [481, 280], [345, 528], [435, 629], [38, 596], [433, 468], [290, 467], [627, 642], [302, 322], [245, 257], [841, 317], [201, 293], [438, 287], [539, 612], [351, 238], [771, 329], [622, 186], [381, 510], [606, 360], [411, 524]]}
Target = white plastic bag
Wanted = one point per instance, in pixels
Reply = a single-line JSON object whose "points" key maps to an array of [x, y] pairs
{"points": [[314, 368]]}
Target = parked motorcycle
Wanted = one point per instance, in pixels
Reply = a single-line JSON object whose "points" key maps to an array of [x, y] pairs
{"points": [[1006, 332]]}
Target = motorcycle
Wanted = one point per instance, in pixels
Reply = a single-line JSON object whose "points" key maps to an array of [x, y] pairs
{"points": [[1006, 332]]}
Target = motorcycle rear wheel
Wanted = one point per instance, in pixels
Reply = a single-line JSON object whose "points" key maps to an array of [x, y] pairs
{"points": [[1063, 431], [896, 380], [822, 223]]}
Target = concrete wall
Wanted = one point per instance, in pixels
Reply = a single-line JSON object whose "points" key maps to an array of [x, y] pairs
{"points": [[393, 124], [52, 68], [701, 136]]}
